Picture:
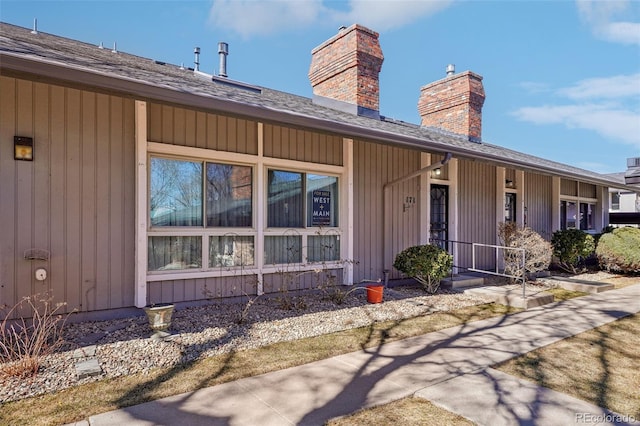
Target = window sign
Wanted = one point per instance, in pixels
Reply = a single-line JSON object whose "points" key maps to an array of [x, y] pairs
{"points": [[321, 215]]}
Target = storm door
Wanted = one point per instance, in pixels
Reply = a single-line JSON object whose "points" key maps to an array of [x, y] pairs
{"points": [[439, 220]]}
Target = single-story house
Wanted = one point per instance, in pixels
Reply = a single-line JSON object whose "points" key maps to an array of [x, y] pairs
{"points": [[126, 181]]}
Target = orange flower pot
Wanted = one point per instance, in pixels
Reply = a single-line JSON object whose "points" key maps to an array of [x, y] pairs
{"points": [[374, 293]]}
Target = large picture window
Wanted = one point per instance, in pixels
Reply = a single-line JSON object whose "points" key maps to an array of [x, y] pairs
{"points": [[202, 216], [187, 195]]}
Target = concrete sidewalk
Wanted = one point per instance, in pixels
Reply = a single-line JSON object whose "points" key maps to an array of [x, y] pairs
{"points": [[428, 365]]}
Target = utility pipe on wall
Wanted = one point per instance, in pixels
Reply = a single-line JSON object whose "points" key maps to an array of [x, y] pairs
{"points": [[387, 254]]}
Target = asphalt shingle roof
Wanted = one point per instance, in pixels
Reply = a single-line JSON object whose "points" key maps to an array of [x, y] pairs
{"points": [[63, 58]]}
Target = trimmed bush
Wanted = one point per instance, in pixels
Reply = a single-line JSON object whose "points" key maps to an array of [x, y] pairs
{"points": [[537, 249], [428, 264], [619, 250], [572, 247]]}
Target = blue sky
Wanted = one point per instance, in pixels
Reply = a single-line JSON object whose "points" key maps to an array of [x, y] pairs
{"points": [[562, 78]]}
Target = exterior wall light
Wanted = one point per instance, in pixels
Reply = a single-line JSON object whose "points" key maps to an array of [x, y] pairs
{"points": [[436, 173], [23, 148]]}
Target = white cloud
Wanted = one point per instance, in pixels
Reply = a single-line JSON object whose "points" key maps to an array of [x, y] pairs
{"points": [[258, 18], [609, 120], [602, 17], [382, 15], [608, 106], [616, 87], [596, 167], [251, 17]]}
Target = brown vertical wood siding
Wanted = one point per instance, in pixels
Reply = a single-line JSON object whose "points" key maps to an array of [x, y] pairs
{"points": [[375, 165], [185, 127], [538, 200], [568, 187], [75, 200], [587, 190], [477, 210], [302, 145]]}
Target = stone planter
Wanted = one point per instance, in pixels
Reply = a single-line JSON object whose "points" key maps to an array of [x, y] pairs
{"points": [[159, 316]]}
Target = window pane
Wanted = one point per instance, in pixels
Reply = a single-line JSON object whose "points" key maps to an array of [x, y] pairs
{"points": [[171, 253], [323, 248], [586, 216], [175, 193], [569, 214], [285, 201], [282, 249], [229, 195], [510, 207], [231, 250], [322, 200], [615, 201]]}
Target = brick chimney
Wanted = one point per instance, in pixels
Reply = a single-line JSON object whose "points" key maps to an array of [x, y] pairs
{"points": [[454, 104], [344, 71]]}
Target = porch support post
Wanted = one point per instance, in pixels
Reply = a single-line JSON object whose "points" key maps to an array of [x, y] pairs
{"points": [[347, 218], [520, 194], [601, 219], [500, 199], [424, 196], [555, 204], [140, 292]]}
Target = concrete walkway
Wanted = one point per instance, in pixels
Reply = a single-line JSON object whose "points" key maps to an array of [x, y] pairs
{"points": [[450, 367]]}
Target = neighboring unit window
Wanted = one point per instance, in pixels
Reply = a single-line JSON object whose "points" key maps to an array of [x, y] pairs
{"points": [[510, 207], [615, 201], [568, 215], [229, 194], [175, 193], [586, 216], [174, 252]]}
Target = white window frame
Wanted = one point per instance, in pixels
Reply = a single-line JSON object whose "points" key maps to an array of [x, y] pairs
{"points": [[259, 230], [578, 201]]}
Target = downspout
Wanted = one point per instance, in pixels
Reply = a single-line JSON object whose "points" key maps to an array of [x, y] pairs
{"points": [[386, 251]]}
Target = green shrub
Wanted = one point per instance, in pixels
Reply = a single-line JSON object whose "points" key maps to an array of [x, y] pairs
{"points": [[428, 264], [537, 249], [619, 250], [571, 247]]}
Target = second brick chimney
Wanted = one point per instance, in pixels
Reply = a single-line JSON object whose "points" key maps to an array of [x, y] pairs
{"points": [[454, 104], [344, 71]]}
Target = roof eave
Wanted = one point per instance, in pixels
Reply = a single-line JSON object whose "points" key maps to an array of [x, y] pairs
{"points": [[146, 90]]}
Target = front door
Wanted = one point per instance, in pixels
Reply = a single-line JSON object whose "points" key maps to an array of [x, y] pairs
{"points": [[439, 220]]}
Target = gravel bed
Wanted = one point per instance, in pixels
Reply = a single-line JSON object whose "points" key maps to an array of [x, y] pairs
{"points": [[124, 346]]}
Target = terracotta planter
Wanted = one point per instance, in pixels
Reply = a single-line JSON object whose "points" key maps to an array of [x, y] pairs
{"points": [[374, 293], [159, 316]]}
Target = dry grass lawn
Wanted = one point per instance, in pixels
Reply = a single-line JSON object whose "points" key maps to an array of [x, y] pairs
{"points": [[601, 366], [407, 411]]}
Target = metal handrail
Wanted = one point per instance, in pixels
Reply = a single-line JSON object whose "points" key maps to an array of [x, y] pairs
{"points": [[451, 248]]}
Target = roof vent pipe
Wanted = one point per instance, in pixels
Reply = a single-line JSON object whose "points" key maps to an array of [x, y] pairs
{"points": [[451, 69], [35, 26], [223, 51], [196, 60]]}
